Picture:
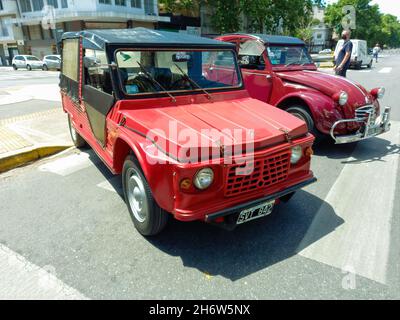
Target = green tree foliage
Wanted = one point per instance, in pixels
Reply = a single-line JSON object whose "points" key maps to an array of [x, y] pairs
{"points": [[371, 24]]}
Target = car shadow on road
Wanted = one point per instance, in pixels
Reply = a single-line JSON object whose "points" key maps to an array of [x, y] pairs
{"points": [[251, 247], [371, 150]]}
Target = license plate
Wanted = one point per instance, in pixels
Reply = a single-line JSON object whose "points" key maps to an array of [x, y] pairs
{"points": [[260, 211]]}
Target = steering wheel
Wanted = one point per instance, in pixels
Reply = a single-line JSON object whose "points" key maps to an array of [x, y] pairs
{"points": [[144, 84], [182, 84]]}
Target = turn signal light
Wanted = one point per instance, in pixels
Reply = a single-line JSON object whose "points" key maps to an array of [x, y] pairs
{"points": [[309, 152], [186, 184]]}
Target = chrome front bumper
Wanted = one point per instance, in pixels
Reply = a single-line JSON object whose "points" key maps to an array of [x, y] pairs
{"points": [[371, 126]]}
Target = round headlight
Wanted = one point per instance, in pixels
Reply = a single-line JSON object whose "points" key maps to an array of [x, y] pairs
{"points": [[204, 178], [381, 93], [297, 154], [343, 98]]}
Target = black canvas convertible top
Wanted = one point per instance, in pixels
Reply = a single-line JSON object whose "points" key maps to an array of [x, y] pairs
{"points": [[142, 37]]}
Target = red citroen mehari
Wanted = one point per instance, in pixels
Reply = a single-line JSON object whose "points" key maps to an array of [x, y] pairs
{"points": [[170, 113], [278, 70]]}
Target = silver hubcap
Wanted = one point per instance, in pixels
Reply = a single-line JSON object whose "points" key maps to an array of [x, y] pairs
{"points": [[137, 197], [73, 133]]}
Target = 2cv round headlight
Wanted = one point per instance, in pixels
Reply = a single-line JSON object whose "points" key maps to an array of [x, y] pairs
{"points": [[204, 178], [297, 154], [343, 98]]}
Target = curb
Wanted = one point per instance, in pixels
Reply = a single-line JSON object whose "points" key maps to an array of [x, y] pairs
{"points": [[22, 158]]}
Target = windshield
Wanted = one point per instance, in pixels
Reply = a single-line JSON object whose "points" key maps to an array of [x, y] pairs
{"points": [[288, 55], [31, 58], [144, 72]]}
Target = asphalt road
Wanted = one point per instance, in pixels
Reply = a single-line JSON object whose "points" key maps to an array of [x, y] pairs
{"points": [[338, 238]]}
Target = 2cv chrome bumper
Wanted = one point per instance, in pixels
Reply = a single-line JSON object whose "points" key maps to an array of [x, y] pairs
{"points": [[371, 126]]}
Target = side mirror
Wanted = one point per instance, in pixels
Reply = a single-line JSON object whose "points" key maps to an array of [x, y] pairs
{"points": [[91, 62]]}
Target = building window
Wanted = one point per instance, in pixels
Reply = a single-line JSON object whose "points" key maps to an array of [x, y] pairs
{"points": [[149, 7], [64, 4], [37, 5], [4, 30], [120, 3], [136, 3], [1, 5], [53, 3], [26, 6], [105, 1]]}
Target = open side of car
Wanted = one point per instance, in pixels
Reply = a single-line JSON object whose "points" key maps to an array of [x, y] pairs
{"points": [[279, 70], [170, 113]]}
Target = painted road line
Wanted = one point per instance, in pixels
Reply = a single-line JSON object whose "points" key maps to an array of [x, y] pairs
{"points": [[68, 165], [386, 70], [22, 280], [363, 197]]}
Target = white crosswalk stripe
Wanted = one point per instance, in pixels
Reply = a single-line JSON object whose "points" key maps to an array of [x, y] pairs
{"points": [[386, 70], [20, 279], [68, 165], [362, 242]]}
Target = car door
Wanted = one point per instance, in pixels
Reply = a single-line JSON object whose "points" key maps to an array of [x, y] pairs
{"points": [[256, 75], [19, 62]]}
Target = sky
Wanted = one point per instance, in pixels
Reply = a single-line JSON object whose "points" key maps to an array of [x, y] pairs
{"points": [[387, 6]]}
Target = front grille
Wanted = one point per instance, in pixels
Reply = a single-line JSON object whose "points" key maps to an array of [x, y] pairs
{"points": [[257, 174], [367, 113]]}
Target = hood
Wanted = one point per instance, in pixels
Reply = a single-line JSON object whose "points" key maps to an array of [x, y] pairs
{"points": [[329, 85], [214, 126]]}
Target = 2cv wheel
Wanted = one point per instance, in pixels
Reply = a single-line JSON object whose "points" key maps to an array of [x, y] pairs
{"points": [[148, 218], [303, 114], [78, 141]]}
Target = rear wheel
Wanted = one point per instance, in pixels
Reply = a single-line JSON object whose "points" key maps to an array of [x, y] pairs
{"points": [[15, 67], [370, 64], [359, 65], [29, 68], [302, 113], [149, 219], [78, 141]]}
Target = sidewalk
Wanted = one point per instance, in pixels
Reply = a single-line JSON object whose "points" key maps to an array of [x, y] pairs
{"points": [[29, 137]]}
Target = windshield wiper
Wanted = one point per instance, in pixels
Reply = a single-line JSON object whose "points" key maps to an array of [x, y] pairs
{"points": [[151, 78], [194, 83]]}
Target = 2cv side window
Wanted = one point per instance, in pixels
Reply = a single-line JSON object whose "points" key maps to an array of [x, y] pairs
{"points": [[251, 55], [97, 75], [70, 68]]}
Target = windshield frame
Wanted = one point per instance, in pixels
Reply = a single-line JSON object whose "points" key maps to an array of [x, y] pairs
{"points": [[178, 93], [284, 66]]}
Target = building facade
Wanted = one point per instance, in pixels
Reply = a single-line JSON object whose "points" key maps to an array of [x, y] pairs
{"points": [[321, 33], [40, 23]]}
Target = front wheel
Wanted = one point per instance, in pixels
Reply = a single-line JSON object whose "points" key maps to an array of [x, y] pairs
{"points": [[29, 68], [15, 67], [45, 67], [303, 114], [78, 141], [149, 219]]}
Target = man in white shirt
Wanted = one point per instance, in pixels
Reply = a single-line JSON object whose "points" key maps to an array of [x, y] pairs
{"points": [[376, 51]]}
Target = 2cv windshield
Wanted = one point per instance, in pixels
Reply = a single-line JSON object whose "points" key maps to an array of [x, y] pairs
{"points": [[288, 55], [157, 71]]}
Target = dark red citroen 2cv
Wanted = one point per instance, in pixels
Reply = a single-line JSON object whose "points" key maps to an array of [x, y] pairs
{"points": [[278, 70], [170, 113]]}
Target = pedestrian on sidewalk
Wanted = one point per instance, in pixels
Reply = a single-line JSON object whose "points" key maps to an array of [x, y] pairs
{"points": [[376, 51], [343, 58]]}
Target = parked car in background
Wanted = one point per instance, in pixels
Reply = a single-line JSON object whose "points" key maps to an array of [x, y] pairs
{"points": [[26, 62], [278, 70], [137, 95], [360, 56], [326, 51], [52, 62]]}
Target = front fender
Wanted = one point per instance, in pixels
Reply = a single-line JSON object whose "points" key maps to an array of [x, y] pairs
{"points": [[323, 109], [158, 170]]}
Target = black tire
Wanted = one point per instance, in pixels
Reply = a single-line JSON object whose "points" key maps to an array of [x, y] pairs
{"points": [[29, 68], [302, 113], [78, 141], [15, 67], [369, 66], [150, 220], [45, 67], [359, 65]]}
